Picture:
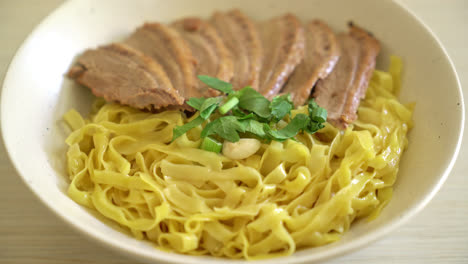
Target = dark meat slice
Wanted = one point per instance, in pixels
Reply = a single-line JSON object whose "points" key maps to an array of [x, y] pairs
{"points": [[340, 93], [331, 93], [369, 49], [321, 54], [167, 47], [119, 73], [283, 45], [213, 57], [242, 39]]}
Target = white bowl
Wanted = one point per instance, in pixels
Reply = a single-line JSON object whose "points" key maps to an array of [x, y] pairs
{"points": [[36, 94]]}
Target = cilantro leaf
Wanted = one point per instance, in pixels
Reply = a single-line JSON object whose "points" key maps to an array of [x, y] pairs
{"points": [[298, 123], [317, 113], [254, 127], [208, 106], [216, 84], [281, 106], [208, 111], [253, 101], [236, 111], [180, 130], [244, 117], [196, 102], [226, 127]]}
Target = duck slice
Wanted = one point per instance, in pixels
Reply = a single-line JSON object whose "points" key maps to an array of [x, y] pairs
{"points": [[321, 55], [340, 93], [164, 45], [242, 39], [119, 73], [283, 44], [212, 56]]}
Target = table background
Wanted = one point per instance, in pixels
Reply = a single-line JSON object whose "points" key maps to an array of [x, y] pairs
{"points": [[30, 233]]}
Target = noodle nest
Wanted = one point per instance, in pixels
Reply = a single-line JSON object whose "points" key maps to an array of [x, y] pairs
{"points": [[288, 195]]}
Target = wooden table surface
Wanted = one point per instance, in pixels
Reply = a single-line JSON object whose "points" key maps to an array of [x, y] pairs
{"points": [[30, 233]]}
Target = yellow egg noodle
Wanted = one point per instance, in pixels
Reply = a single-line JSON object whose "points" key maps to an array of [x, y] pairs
{"points": [[288, 195]]}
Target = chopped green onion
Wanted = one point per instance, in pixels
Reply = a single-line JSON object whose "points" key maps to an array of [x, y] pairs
{"points": [[226, 107], [319, 115], [210, 144]]}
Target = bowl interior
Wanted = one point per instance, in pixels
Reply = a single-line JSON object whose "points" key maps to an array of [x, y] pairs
{"points": [[36, 95]]}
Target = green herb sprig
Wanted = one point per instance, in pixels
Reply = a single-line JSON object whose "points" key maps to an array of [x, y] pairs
{"points": [[248, 111]]}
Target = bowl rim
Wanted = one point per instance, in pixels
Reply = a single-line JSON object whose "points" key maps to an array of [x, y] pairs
{"points": [[135, 252]]}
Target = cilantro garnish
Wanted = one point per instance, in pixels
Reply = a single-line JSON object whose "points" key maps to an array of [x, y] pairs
{"points": [[226, 127], [247, 112], [216, 84], [180, 130], [253, 101], [297, 124], [281, 106]]}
